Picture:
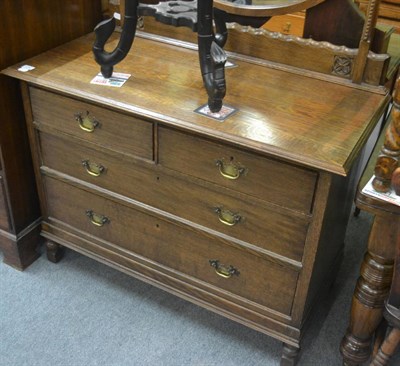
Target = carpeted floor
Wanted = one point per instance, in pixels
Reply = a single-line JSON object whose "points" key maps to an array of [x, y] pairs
{"points": [[82, 313]]}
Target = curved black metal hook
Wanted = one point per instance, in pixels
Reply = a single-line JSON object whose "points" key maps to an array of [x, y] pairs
{"points": [[221, 35], [212, 57], [103, 31]]}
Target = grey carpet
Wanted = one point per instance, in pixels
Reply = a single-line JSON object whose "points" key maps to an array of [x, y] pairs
{"points": [[82, 313]]}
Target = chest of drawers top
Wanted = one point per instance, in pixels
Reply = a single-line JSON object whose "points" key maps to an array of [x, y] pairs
{"points": [[296, 118]]}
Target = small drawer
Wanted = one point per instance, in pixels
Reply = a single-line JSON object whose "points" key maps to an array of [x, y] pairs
{"points": [[101, 126], [4, 219], [228, 212], [282, 184], [184, 252], [287, 24]]}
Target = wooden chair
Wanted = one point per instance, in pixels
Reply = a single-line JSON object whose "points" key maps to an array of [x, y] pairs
{"points": [[392, 315], [374, 284]]}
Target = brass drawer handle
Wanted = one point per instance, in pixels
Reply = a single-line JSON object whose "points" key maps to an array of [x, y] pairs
{"points": [[93, 169], [227, 217], [223, 271], [96, 219], [286, 27], [86, 122], [229, 170]]}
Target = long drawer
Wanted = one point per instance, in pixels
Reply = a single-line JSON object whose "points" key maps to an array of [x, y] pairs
{"points": [[213, 207], [234, 272], [264, 178], [106, 128], [4, 220]]}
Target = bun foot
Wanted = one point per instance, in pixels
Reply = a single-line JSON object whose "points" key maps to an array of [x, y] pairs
{"points": [[290, 355], [55, 251]]}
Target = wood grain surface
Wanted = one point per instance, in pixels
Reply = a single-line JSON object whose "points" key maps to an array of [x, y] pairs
{"points": [[296, 118]]}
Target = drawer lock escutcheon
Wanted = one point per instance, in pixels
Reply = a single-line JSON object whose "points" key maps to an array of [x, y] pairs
{"points": [[96, 219], [227, 217], [229, 170], [222, 270], [86, 123], [93, 169]]}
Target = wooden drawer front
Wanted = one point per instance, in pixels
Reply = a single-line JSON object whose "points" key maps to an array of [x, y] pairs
{"points": [[259, 225], [287, 24], [175, 247], [116, 131], [4, 220], [263, 178]]}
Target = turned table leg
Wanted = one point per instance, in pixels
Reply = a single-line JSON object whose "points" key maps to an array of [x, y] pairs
{"points": [[290, 355], [371, 291], [55, 251], [387, 349]]}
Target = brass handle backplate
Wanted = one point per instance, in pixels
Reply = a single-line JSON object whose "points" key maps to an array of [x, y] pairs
{"points": [[227, 217], [96, 219], [93, 169], [222, 270], [86, 122], [230, 170]]}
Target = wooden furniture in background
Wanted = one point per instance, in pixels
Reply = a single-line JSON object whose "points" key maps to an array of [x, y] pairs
{"points": [[244, 217], [373, 286], [391, 341], [387, 168], [389, 12], [28, 28], [340, 57], [287, 24], [388, 16]]}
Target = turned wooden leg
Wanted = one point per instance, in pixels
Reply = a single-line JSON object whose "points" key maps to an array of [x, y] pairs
{"points": [[371, 291], [387, 349], [380, 335], [290, 355], [55, 251], [392, 315]]}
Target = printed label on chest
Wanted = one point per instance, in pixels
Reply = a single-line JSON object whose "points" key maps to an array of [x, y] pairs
{"points": [[116, 80], [225, 112]]}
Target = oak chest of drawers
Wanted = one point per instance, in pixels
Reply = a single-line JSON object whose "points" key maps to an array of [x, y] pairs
{"points": [[245, 217]]}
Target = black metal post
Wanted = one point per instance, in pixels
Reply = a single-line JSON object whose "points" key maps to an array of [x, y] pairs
{"points": [[103, 31]]}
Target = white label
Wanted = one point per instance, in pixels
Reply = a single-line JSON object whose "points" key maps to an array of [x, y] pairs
{"points": [[116, 80], [221, 116], [390, 196], [26, 68]]}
